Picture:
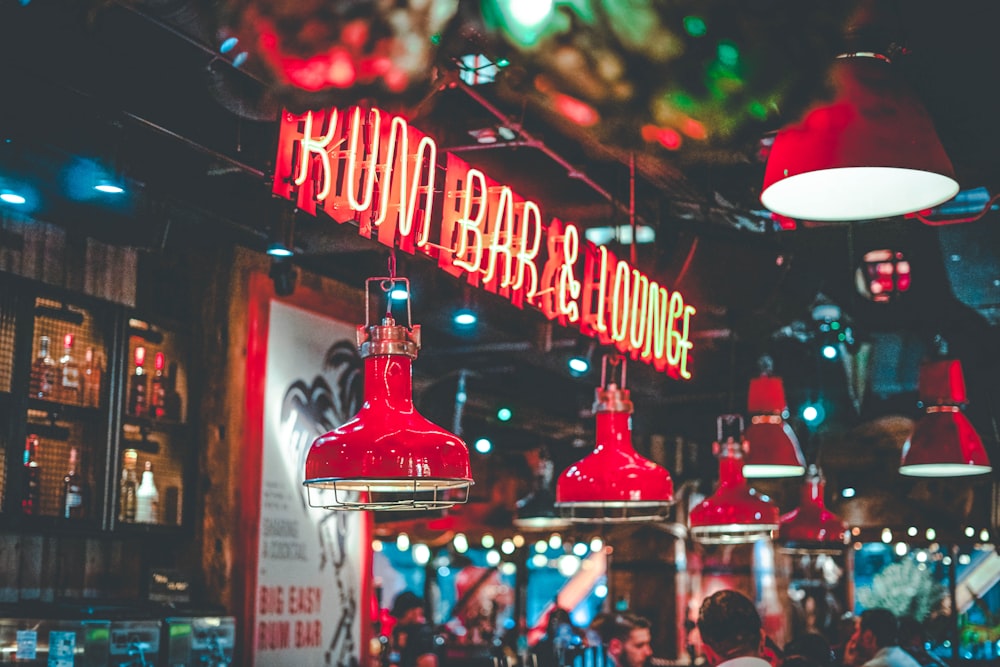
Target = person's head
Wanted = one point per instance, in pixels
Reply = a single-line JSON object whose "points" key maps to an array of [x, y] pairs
{"points": [[558, 616], [812, 646], [408, 609], [730, 627], [627, 639], [911, 632], [876, 629]]}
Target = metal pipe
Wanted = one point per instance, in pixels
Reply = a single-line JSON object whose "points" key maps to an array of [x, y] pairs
{"points": [[498, 144], [194, 144], [571, 171], [956, 635]]}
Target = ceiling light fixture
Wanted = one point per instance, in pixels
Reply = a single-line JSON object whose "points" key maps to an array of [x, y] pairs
{"points": [[735, 514], [944, 443], [465, 318], [773, 448], [281, 243], [283, 275], [11, 197], [872, 152], [388, 456], [811, 528], [614, 484], [109, 187]]}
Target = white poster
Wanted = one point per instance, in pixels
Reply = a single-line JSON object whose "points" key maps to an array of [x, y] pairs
{"points": [[309, 561]]}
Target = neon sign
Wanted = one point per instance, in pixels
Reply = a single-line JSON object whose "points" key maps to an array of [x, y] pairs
{"points": [[375, 170]]}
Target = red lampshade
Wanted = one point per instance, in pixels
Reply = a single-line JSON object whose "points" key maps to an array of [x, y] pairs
{"points": [[388, 456], [872, 152], [735, 514], [773, 448], [944, 442], [811, 528], [614, 483], [942, 383]]}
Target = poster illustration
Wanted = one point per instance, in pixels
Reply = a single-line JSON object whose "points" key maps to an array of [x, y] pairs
{"points": [[310, 565]]}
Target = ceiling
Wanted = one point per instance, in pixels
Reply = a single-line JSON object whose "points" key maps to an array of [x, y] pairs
{"points": [[141, 84]]}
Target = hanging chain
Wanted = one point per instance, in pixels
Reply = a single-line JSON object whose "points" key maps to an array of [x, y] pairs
{"points": [[388, 285]]}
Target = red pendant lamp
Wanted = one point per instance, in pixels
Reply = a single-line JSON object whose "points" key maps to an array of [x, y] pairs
{"points": [[773, 448], [614, 484], [872, 152], [811, 528], [734, 514], [944, 442], [388, 456]]}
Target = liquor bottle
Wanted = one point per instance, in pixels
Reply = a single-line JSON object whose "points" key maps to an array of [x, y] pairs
{"points": [[127, 500], [147, 498], [172, 401], [74, 491], [32, 493], [137, 406], [43, 372], [69, 389], [93, 374], [158, 389]]}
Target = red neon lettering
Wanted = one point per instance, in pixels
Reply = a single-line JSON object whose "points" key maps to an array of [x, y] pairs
{"points": [[654, 351], [674, 337], [426, 162], [638, 313], [481, 220], [392, 182], [530, 227], [318, 147], [355, 151], [682, 342], [501, 241], [471, 227], [598, 265], [620, 302], [568, 290], [397, 183], [455, 176], [396, 150], [545, 298]]}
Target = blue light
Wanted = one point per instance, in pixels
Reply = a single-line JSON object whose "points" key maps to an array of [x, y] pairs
{"points": [[848, 492], [578, 365], [504, 414], [229, 44], [483, 446], [12, 197], [829, 352], [813, 413], [110, 188], [279, 250], [399, 294], [240, 58], [465, 318]]}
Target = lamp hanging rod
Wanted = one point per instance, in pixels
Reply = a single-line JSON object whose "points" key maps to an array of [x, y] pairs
{"points": [[526, 136]]}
